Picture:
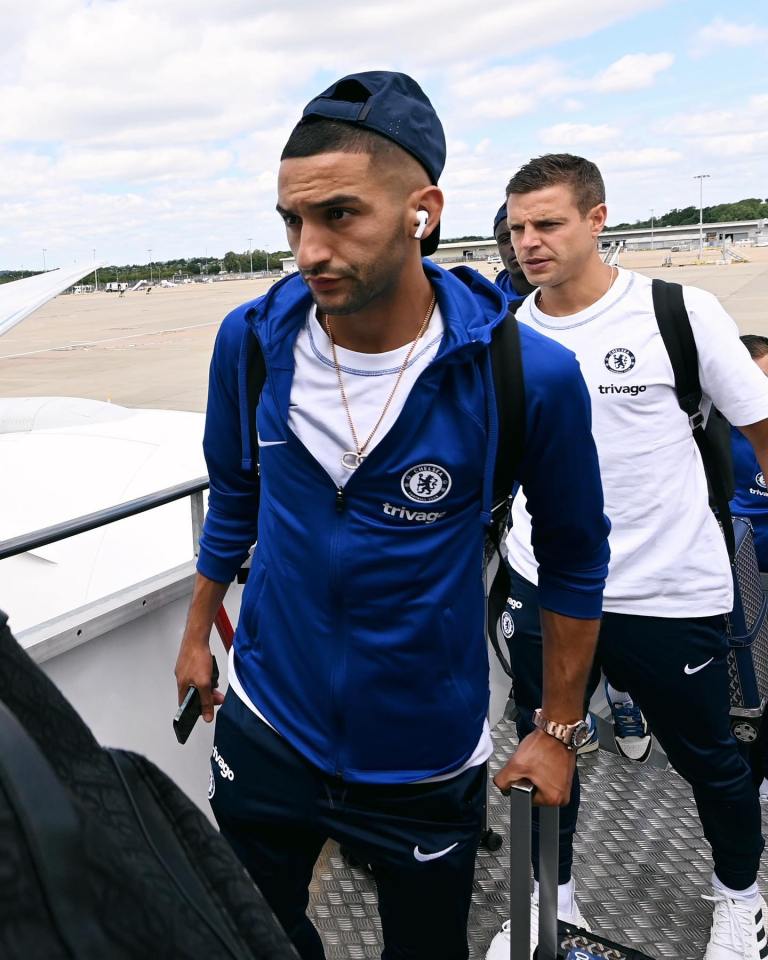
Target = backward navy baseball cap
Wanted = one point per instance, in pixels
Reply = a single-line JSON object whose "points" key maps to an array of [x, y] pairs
{"points": [[394, 106]]}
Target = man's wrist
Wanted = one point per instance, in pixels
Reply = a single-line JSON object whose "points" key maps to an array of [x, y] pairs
{"points": [[571, 735]]}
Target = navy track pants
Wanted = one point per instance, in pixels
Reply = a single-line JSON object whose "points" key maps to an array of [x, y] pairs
{"points": [[687, 711], [277, 810]]}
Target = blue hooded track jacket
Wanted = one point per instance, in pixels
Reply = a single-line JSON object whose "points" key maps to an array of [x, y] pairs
{"points": [[361, 636], [504, 282], [750, 498]]}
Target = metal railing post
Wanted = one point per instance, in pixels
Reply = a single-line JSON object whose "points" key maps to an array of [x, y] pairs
{"points": [[198, 514]]}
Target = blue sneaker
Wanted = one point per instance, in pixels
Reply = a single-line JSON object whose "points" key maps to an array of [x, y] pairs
{"points": [[593, 741], [630, 730]]}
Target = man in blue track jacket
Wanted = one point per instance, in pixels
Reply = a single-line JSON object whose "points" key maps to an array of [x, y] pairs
{"points": [[358, 682]]}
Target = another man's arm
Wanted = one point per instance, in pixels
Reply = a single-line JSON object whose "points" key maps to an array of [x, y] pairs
{"points": [[729, 376], [231, 521], [569, 648], [561, 480], [757, 434]]}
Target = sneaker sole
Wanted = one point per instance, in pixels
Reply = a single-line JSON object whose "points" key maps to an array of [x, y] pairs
{"points": [[626, 756]]}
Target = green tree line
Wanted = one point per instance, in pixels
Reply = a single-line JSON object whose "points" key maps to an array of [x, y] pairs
{"points": [[752, 208], [168, 269]]}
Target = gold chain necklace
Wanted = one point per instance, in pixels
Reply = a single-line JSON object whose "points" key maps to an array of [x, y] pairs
{"points": [[351, 459]]}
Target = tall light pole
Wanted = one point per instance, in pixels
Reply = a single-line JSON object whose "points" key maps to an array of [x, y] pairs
{"points": [[150, 264], [266, 250], [651, 228], [250, 251], [95, 271], [44, 269], [701, 177]]}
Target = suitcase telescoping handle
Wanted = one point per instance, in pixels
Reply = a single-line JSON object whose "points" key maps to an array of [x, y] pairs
{"points": [[521, 797]]}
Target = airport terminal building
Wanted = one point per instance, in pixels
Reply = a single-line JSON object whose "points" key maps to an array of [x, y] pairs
{"points": [[730, 233]]}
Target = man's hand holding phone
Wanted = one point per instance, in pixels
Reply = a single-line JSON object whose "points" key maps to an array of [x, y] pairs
{"points": [[195, 666], [197, 676]]}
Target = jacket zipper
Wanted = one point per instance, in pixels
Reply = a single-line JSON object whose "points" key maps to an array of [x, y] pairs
{"points": [[338, 598]]}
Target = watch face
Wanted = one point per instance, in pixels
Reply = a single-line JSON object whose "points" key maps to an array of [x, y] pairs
{"points": [[580, 734]]}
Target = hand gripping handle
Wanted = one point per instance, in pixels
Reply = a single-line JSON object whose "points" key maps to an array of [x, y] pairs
{"points": [[521, 800]]}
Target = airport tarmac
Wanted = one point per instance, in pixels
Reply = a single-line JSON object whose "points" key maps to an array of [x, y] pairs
{"points": [[153, 349]]}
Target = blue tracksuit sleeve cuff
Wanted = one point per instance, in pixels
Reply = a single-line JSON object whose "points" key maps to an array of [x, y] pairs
{"points": [[583, 602], [221, 570]]}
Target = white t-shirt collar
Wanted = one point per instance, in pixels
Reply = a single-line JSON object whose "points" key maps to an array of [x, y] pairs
{"points": [[618, 290]]}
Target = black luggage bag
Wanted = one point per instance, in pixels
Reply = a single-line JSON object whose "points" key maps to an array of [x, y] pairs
{"points": [[557, 940], [102, 857]]}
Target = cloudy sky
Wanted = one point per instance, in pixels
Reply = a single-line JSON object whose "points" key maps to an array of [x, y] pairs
{"points": [[130, 125]]}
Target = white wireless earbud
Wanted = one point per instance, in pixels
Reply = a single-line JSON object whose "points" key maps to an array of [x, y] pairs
{"points": [[423, 217]]}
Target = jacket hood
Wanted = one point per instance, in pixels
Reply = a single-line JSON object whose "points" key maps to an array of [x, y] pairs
{"points": [[471, 307]]}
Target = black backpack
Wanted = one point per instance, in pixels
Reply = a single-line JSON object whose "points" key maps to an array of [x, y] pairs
{"points": [[509, 387], [101, 855], [712, 437]]}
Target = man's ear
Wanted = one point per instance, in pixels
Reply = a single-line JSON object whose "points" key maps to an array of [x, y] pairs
{"points": [[429, 199], [597, 217]]}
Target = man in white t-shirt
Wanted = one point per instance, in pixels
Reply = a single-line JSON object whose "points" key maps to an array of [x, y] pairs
{"points": [[669, 585]]}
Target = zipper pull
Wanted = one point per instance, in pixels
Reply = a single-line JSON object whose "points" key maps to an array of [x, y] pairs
{"points": [[339, 500]]}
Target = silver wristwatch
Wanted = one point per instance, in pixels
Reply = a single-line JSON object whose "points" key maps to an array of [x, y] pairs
{"points": [[573, 735]]}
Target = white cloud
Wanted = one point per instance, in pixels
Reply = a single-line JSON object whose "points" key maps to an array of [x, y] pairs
{"points": [[131, 123], [647, 157], [742, 130], [514, 90], [722, 33], [565, 134], [634, 71]]}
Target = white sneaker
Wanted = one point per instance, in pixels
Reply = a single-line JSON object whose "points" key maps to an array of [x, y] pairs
{"points": [[738, 930], [499, 948], [764, 790]]}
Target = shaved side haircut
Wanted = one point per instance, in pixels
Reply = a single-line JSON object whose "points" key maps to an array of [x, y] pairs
{"points": [[555, 168], [319, 135]]}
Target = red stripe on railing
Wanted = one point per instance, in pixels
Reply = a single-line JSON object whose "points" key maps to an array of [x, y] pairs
{"points": [[224, 627]]}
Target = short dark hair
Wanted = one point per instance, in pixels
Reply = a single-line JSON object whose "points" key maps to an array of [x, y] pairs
{"points": [[581, 175], [757, 346], [318, 135]]}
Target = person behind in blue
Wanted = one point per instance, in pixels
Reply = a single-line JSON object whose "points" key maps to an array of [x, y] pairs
{"points": [[750, 500], [511, 279], [358, 679], [750, 497]]}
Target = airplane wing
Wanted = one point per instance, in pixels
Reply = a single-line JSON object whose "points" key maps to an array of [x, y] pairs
{"points": [[19, 298]]}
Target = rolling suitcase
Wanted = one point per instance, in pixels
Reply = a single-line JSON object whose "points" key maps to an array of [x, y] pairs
{"points": [[747, 629], [557, 940]]}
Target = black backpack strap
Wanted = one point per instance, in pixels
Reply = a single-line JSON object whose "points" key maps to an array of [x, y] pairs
{"points": [[675, 327], [255, 377], [509, 387], [50, 827]]}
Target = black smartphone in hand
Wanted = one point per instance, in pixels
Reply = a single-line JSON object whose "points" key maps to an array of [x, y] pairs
{"points": [[190, 708]]}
